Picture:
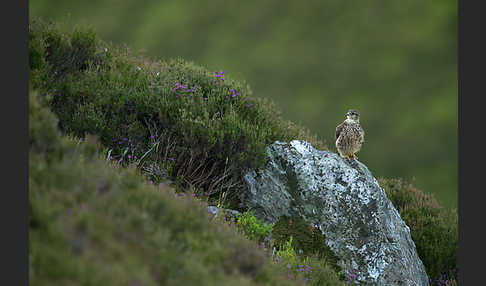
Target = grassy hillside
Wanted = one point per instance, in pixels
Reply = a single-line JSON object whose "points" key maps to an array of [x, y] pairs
{"points": [[96, 223], [395, 61], [167, 121]]}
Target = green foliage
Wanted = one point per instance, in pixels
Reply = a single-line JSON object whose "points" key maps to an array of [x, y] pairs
{"points": [[286, 251], [312, 269], [207, 124], [433, 229], [307, 239], [94, 224], [252, 227]]}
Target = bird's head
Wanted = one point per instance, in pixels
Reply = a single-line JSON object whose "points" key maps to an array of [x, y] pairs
{"points": [[353, 115]]}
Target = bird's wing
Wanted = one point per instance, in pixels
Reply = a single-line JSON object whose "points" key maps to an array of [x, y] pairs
{"points": [[361, 133], [339, 128]]}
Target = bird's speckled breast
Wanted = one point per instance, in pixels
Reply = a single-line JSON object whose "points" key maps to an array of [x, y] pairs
{"points": [[349, 141]]}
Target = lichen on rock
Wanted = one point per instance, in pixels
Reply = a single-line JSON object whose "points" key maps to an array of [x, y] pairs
{"points": [[345, 202]]}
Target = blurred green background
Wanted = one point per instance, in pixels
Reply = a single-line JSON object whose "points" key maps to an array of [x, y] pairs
{"points": [[394, 61]]}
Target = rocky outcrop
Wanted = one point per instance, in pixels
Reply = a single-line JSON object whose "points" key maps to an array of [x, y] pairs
{"points": [[343, 199]]}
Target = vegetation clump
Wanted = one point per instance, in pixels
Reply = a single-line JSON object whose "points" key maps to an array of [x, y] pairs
{"points": [[208, 125], [252, 227], [433, 228]]}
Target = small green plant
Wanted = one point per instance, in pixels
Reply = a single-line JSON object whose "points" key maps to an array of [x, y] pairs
{"points": [[310, 270], [287, 252], [252, 227]]}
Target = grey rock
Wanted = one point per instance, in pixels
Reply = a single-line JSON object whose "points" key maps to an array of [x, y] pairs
{"points": [[230, 214], [213, 210], [343, 199]]}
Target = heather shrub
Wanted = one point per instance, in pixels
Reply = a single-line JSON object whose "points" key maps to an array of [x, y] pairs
{"points": [[433, 228], [43, 132], [210, 126], [93, 223]]}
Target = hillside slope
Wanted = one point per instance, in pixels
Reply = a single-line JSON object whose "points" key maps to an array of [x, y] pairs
{"points": [[166, 120], [93, 223]]}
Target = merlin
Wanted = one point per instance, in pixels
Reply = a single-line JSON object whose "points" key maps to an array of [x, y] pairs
{"points": [[349, 135]]}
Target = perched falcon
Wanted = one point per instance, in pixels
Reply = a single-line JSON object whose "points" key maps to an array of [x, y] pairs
{"points": [[349, 135]]}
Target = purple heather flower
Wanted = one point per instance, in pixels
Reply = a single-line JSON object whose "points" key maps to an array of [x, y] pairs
{"points": [[205, 98], [129, 156], [152, 137]]}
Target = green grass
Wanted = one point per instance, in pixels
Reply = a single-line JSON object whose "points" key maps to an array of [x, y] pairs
{"points": [[197, 137]]}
